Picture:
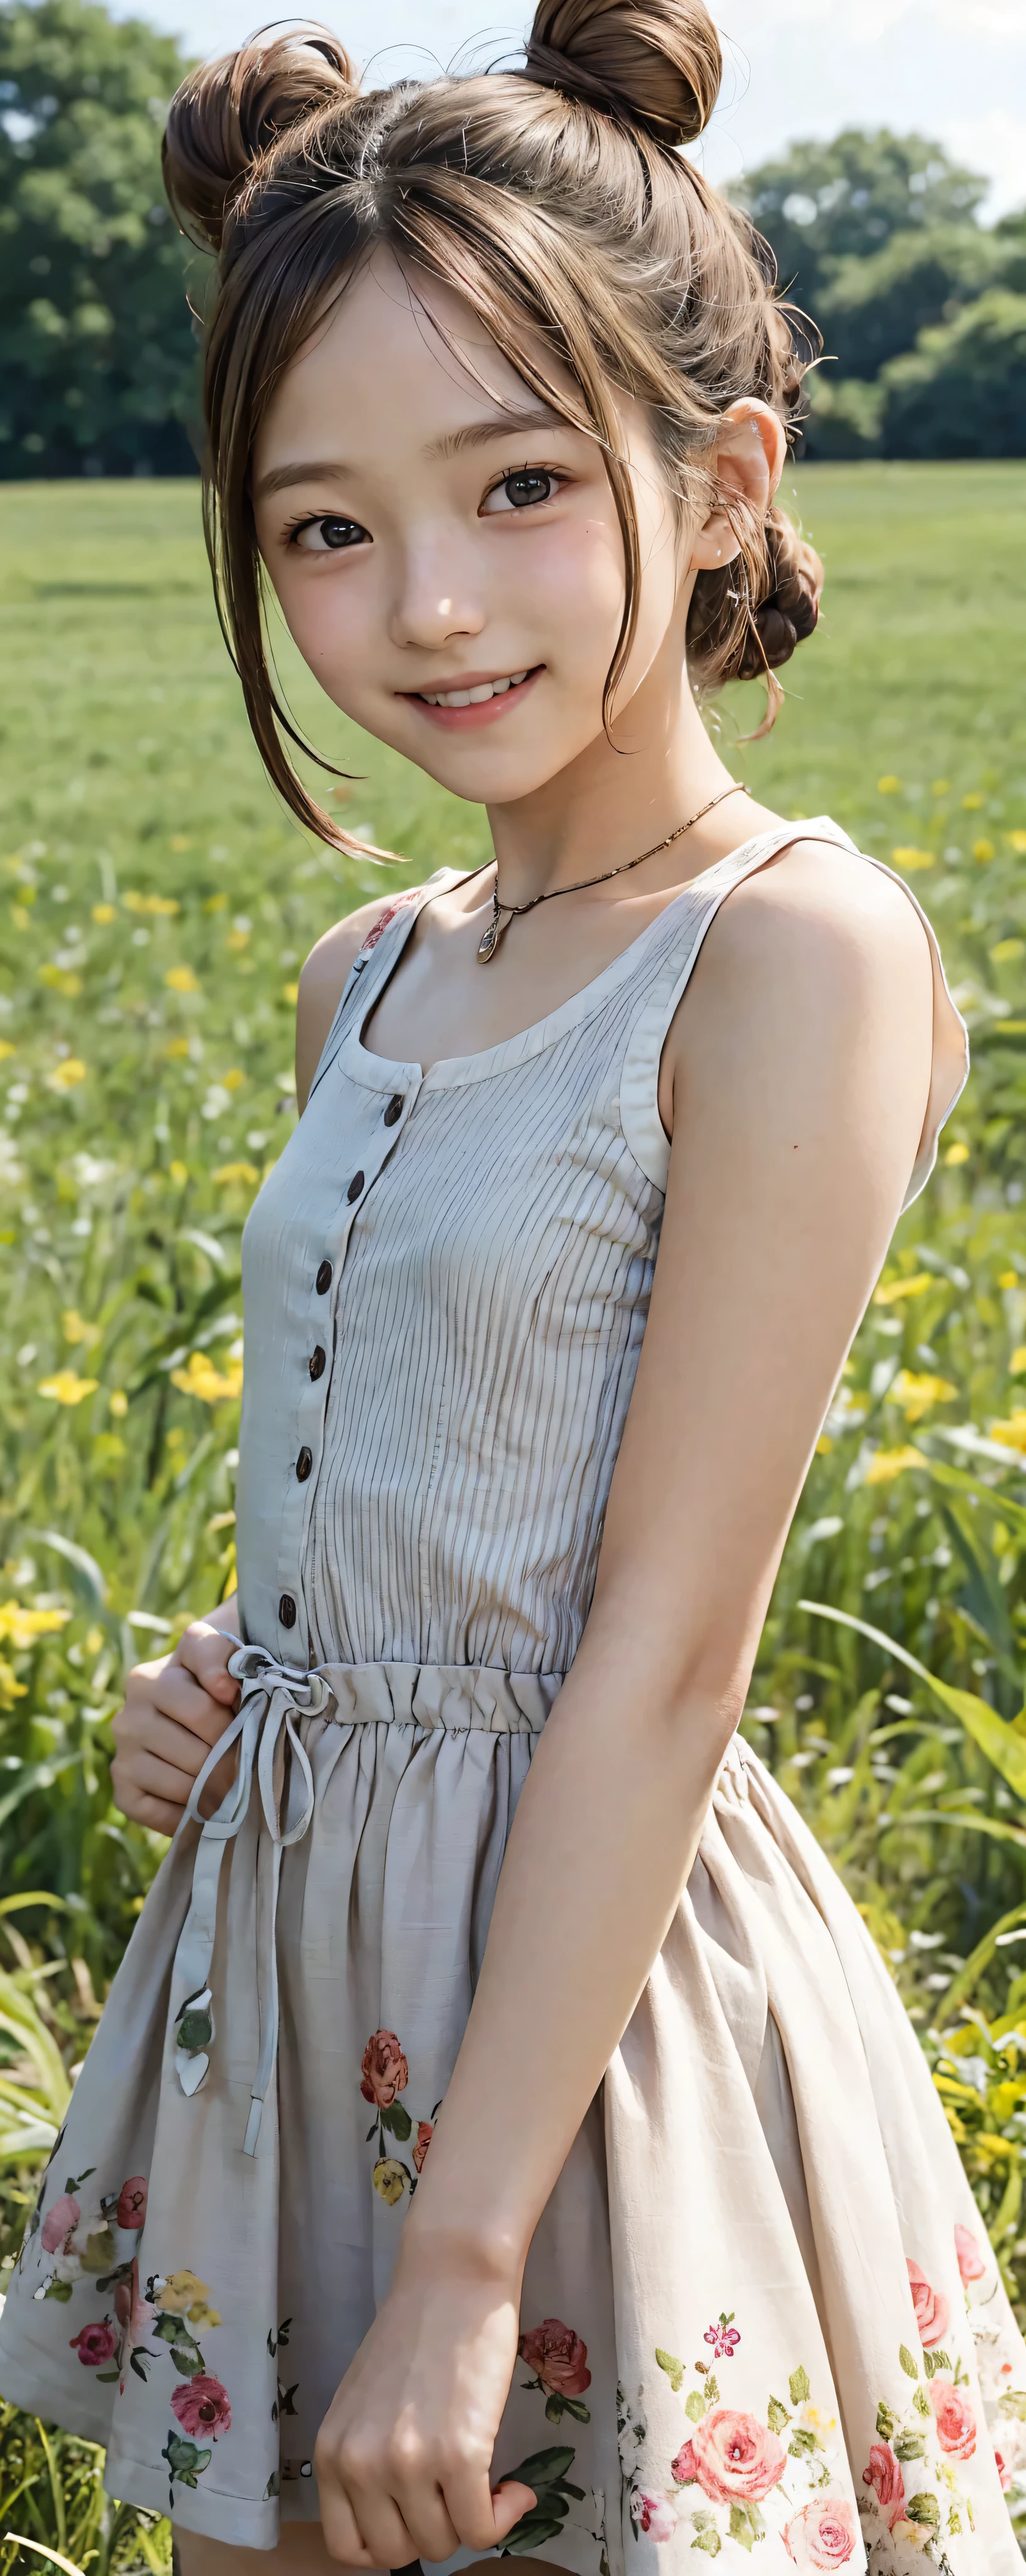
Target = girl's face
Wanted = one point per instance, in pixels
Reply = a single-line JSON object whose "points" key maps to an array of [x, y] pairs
{"points": [[448, 558]]}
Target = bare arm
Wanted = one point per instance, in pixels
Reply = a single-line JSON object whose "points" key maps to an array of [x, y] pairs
{"points": [[321, 986], [800, 1071]]}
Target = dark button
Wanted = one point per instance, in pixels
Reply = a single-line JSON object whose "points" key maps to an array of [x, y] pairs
{"points": [[355, 1187], [287, 1610], [304, 1463], [322, 1282], [318, 1363], [395, 1109]]}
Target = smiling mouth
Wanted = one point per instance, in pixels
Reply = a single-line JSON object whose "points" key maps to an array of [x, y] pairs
{"points": [[478, 702]]}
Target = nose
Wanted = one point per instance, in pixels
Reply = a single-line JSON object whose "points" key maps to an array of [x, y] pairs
{"points": [[437, 595]]}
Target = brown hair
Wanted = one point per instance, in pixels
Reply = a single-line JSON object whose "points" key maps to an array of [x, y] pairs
{"points": [[555, 201]]}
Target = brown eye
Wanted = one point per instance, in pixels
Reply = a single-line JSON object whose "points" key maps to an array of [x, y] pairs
{"points": [[522, 489]]}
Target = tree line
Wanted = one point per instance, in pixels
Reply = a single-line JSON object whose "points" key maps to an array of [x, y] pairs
{"points": [[877, 238]]}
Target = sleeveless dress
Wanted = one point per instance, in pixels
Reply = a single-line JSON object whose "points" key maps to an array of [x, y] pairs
{"points": [[761, 2319]]}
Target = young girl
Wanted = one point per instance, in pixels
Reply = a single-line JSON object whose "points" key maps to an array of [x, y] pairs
{"points": [[502, 2134]]}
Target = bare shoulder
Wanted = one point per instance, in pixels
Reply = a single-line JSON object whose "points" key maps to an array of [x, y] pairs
{"points": [[818, 915], [322, 983]]}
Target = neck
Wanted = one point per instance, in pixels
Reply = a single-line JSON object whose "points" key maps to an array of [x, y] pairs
{"points": [[618, 798]]}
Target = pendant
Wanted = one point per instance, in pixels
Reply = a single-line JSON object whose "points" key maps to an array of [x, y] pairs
{"points": [[490, 938]]}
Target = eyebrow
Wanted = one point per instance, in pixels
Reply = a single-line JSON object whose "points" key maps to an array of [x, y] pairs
{"points": [[455, 442]]}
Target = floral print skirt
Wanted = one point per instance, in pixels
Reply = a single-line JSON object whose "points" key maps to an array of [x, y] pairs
{"points": [[761, 2320]]}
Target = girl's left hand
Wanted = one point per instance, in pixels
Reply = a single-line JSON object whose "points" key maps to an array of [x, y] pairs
{"points": [[403, 2458]]}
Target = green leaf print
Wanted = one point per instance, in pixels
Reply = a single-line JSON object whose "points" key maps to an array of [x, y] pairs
{"points": [[802, 2443], [556, 2405], [58, 2290], [100, 2252], [921, 2402], [546, 2472], [885, 2422], [185, 2460], [709, 2540], [935, 2361], [798, 2385], [910, 2446], [908, 2362], [696, 2405], [746, 2524], [776, 2415], [674, 2369], [923, 2509], [1013, 2405], [396, 2118]]}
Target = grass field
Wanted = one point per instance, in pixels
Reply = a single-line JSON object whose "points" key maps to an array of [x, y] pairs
{"points": [[156, 908]]}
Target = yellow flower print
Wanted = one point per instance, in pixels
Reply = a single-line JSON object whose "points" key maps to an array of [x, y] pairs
{"points": [[184, 2296], [390, 2179]]}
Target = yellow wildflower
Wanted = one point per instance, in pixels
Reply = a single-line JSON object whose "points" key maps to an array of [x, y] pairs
{"points": [[61, 979], [104, 912], [1010, 1434], [1017, 1363], [94, 1640], [162, 904], [229, 1173], [10, 1688], [912, 858], [7, 1047], [177, 1046], [200, 1377], [982, 851], [233, 1081], [1018, 841], [916, 1394], [237, 940], [940, 786], [178, 1173], [888, 1463], [76, 1331], [1006, 950], [891, 1289], [973, 799], [180, 841], [65, 1388], [20, 1627], [887, 785], [290, 993], [1008, 1279], [216, 903], [957, 1153], [119, 1404], [66, 1074], [20, 919], [181, 979]]}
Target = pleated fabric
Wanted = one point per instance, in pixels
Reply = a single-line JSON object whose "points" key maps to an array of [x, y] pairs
{"points": [[760, 2317]]}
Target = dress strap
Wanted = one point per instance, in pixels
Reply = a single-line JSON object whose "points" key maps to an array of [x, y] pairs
{"points": [[373, 963], [639, 1081]]}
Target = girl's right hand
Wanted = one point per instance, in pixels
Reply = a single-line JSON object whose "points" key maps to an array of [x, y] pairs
{"points": [[174, 1711]]}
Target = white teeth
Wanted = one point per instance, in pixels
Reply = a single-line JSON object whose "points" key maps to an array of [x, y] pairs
{"points": [[472, 697]]}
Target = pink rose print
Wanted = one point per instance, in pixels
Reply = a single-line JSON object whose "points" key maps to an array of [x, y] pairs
{"points": [[425, 2133], [202, 2407], [1004, 2474], [970, 2260], [933, 2313], [823, 2534], [955, 2421], [557, 2357], [653, 2514], [735, 2456], [135, 2315], [724, 2338], [131, 2208], [95, 2343], [884, 2476], [384, 2071], [59, 2222], [682, 2469]]}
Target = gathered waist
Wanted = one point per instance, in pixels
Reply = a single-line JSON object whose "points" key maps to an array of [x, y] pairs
{"points": [[453, 1696]]}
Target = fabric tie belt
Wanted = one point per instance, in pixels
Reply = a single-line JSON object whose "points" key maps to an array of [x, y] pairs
{"points": [[275, 1697]]}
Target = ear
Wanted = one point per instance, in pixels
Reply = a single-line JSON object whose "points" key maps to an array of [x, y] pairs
{"points": [[747, 460]]}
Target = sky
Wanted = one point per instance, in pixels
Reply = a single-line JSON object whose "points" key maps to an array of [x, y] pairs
{"points": [[952, 69]]}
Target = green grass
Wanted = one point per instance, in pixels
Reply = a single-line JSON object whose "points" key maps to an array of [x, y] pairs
{"points": [[139, 1116]]}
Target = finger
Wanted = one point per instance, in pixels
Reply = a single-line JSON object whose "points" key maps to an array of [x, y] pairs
{"points": [[152, 1778], [381, 2527], [482, 2517], [177, 1695], [147, 1730], [342, 2538], [155, 1813], [205, 1651], [423, 2508]]}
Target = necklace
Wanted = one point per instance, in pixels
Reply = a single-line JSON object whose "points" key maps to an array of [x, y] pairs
{"points": [[496, 929]]}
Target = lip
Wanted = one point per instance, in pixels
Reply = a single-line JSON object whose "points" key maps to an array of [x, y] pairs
{"points": [[468, 719]]}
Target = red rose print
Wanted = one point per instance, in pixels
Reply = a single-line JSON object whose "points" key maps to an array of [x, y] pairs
{"points": [[824, 2534], [202, 2407], [131, 2209], [379, 927], [884, 2475], [933, 2314], [384, 2071], [95, 2344], [682, 2469], [1004, 2474], [557, 2357], [970, 2260], [653, 2514], [956, 2423], [59, 2222], [735, 2456], [425, 2133]]}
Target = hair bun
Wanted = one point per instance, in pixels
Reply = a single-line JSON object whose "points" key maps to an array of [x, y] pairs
{"points": [[228, 113], [653, 63], [790, 609]]}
